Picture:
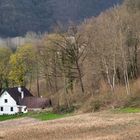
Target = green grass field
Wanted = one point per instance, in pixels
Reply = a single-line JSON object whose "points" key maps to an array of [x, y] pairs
{"points": [[8, 117], [46, 116], [127, 110], [38, 115]]}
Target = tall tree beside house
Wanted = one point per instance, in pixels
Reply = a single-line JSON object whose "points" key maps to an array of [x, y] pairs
{"points": [[5, 54], [22, 65], [73, 51], [48, 54]]}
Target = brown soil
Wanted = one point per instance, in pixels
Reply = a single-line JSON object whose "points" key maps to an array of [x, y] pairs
{"points": [[94, 126]]}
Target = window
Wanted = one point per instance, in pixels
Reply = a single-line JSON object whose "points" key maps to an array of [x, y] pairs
{"points": [[12, 109], [6, 101], [1, 108]]}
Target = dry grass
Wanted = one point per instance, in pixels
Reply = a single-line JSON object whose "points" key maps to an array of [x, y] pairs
{"points": [[106, 100], [97, 126]]}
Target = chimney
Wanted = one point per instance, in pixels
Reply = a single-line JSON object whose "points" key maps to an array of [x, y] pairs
{"points": [[19, 89], [21, 92]]}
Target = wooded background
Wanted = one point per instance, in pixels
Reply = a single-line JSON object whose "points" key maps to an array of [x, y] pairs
{"points": [[98, 57]]}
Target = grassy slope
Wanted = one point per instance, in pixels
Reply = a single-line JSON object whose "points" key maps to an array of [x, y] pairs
{"points": [[127, 110], [41, 116], [46, 116], [8, 117]]}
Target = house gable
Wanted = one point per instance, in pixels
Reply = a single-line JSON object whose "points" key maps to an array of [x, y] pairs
{"points": [[7, 100], [16, 95], [8, 105]]}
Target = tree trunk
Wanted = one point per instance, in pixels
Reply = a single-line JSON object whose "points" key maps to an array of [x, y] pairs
{"points": [[37, 82], [80, 77]]}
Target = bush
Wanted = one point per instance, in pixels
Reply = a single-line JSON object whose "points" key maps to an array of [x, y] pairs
{"points": [[96, 105], [63, 109], [133, 102]]}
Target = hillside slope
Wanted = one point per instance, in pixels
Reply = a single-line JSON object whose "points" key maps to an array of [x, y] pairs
{"points": [[20, 16]]}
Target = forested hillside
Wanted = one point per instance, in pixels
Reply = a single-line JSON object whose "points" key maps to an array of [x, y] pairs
{"points": [[96, 63], [17, 17]]}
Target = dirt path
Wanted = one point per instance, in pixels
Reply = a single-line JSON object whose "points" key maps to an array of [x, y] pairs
{"points": [[18, 122], [95, 126]]}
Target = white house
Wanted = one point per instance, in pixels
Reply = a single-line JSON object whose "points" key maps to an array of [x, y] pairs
{"points": [[18, 99], [10, 100]]}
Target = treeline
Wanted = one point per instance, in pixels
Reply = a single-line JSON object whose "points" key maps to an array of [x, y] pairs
{"points": [[75, 63], [114, 45]]}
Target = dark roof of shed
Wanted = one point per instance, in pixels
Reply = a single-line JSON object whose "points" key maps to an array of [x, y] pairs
{"points": [[16, 95], [36, 102]]}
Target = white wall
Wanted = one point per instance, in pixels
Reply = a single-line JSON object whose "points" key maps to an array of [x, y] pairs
{"points": [[23, 109], [11, 103], [7, 110]]}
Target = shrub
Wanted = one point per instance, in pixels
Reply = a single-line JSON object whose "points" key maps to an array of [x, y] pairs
{"points": [[96, 105], [63, 109], [133, 102]]}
